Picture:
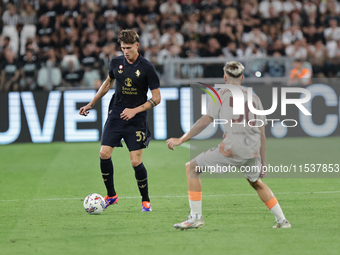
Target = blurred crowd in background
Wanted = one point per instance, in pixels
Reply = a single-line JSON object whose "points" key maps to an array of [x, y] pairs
{"points": [[46, 44]]}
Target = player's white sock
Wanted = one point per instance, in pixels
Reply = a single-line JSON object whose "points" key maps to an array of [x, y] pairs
{"points": [[195, 208], [278, 213], [275, 208]]}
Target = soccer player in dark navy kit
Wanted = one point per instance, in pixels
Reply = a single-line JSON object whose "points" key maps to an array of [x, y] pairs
{"points": [[127, 117]]}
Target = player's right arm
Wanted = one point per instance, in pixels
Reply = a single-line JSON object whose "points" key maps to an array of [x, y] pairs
{"points": [[104, 88], [197, 128]]}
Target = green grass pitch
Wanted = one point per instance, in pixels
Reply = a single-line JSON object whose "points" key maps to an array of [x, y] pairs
{"points": [[42, 187]]}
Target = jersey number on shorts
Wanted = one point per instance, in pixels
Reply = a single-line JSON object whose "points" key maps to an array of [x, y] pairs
{"points": [[140, 136], [241, 116]]}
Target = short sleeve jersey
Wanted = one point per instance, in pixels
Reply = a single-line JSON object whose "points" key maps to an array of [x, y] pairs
{"points": [[132, 81], [243, 136]]}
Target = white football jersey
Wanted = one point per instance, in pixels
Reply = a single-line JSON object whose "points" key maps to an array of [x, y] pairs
{"points": [[243, 136]]}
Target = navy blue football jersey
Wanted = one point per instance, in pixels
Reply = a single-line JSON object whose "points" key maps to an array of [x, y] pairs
{"points": [[132, 81]]}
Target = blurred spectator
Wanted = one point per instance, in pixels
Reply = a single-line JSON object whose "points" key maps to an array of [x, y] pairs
{"points": [[150, 16], [172, 37], [255, 36], [210, 7], [10, 17], [131, 23], [89, 24], [150, 39], [67, 26], [297, 50], [309, 6], [333, 49], [227, 36], [49, 76], [191, 25], [291, 35], [110, 22], [213, 49], [192, 70], [34, 3], [44, 28], [10, 72], [290, 6], [70, 56], [314, 20], [129, 6], [231, 51], [71, 8], [72, 77], [45, 44], [28, 16], [273, 35], [193, 47], [88, 57], [230, 17], [71, 43], [275, 67], [4, 46], [255, 50], [52, 10], [172, 51], [172, 21], [265, 5], [311, 35], [299, 75], [277, 46], [326, 6], [332, 14], [189, 8], [224, 4], [249, 19], [29, 71], [332, 33], [317, 57], [208, 27], [169, 8]]}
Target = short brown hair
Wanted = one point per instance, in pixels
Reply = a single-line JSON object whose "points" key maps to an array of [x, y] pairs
{"points": [[128, 37]]}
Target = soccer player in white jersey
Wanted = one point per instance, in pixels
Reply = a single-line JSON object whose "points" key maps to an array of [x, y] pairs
{"points": [[244, 144]]}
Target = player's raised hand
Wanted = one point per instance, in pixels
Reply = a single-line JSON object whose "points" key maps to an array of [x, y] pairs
{"points": [[85, 110], [173, 142]]}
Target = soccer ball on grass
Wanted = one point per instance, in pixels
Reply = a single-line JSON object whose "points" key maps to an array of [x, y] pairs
{"points": [[94, 204]]}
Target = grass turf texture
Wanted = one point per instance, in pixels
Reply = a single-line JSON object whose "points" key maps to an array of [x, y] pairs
{"points": [[43, 187]]}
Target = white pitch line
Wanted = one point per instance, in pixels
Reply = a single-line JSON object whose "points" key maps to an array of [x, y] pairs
{"points": [[221, 195]]}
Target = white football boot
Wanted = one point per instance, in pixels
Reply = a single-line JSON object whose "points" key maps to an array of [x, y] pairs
{"points": [[190, 222]]}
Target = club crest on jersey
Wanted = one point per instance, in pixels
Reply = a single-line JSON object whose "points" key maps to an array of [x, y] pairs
{"points": [[128, 82], [120, 67], [137, 73]]}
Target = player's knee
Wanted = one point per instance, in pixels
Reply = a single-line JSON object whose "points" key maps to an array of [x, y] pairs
{"points": [[104, 154], [135, 162], [255, 184]]}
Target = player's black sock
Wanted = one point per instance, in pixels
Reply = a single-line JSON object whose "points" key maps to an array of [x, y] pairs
{"points": [[106, 167], [142, 181]]}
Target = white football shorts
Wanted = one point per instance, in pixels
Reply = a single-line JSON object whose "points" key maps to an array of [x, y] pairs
{"points": [[218, 163]]}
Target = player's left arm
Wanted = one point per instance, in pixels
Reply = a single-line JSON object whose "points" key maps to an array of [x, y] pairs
{"points": [[129, 113]]}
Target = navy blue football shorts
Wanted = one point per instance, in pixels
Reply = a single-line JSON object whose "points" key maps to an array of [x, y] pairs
{"points": [[136, 134]]}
